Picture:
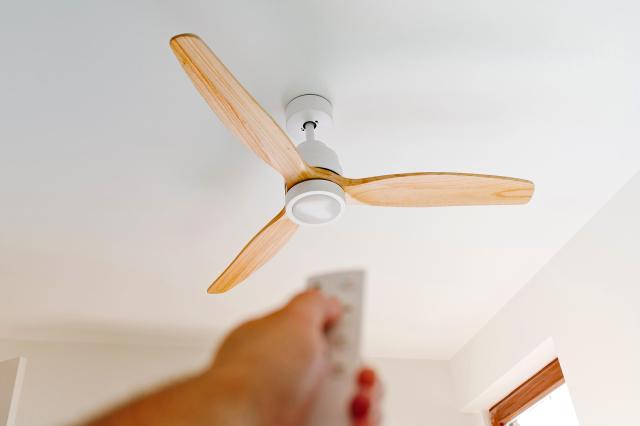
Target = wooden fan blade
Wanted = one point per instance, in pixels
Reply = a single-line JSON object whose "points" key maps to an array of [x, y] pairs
{"points": [[434, 189], [237, 109], [256, 253]]}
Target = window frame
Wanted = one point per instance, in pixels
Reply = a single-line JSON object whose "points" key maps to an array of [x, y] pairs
{"points": [[524, 396]]}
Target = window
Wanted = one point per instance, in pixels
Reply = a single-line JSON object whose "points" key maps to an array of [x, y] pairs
{"points": [[543, 400]]}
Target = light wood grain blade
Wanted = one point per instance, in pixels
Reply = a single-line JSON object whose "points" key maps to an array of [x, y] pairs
{"points": [[434, 189], [237, 109], [256, 253]]}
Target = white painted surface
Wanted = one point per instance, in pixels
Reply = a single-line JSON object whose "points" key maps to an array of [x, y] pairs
{"points": [[586, 299], [503, 381], [11, 375], [67, 382], [123, 196], [70, 381], [419, 393]]}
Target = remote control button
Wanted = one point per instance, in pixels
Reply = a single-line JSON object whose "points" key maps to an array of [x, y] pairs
{"points": [[337, 340], [337, 369]]}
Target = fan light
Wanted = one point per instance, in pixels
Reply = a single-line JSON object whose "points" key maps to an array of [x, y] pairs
{"points": [[315, 202]]}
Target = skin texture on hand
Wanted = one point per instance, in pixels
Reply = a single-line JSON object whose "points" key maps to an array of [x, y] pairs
{"points": [[283, 356], [266, 373]]}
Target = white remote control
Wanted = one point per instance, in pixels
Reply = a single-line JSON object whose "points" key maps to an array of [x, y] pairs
{"points": [[332, 404]]}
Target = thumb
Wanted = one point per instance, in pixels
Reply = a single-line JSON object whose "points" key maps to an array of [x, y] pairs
{"points": [[321, 310]]}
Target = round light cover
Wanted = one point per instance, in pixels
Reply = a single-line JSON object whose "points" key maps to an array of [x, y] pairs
{"points": [[315, 202]]}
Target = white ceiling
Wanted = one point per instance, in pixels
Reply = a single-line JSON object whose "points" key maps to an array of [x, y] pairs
{"points": [[123, 196]]}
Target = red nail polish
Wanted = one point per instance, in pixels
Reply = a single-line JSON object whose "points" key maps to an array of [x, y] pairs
{"points": [[360, 406], [367, 377]]}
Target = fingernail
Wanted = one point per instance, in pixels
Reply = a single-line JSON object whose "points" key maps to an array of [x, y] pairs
{"points": [[360, 406], [367, 377]]}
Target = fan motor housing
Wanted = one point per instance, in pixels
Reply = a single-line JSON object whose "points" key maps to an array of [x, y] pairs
{"points": [[318, 154], [315, 202]]}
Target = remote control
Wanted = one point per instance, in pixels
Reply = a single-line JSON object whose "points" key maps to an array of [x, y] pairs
{"points": [[332, 404]]}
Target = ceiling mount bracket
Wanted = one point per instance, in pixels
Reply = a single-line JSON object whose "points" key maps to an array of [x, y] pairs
{"points": [[308, 108]]}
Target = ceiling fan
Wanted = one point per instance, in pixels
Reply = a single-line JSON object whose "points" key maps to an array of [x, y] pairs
{"points": [[316, 193]]}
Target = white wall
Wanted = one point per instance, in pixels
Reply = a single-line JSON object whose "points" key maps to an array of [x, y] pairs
{"points": [[418, 393], [583, 305], [11, 375], [66, 382]]}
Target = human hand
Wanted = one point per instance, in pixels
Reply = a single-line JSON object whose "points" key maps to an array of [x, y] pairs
{"points": [[282, 359], [266, 373]]}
